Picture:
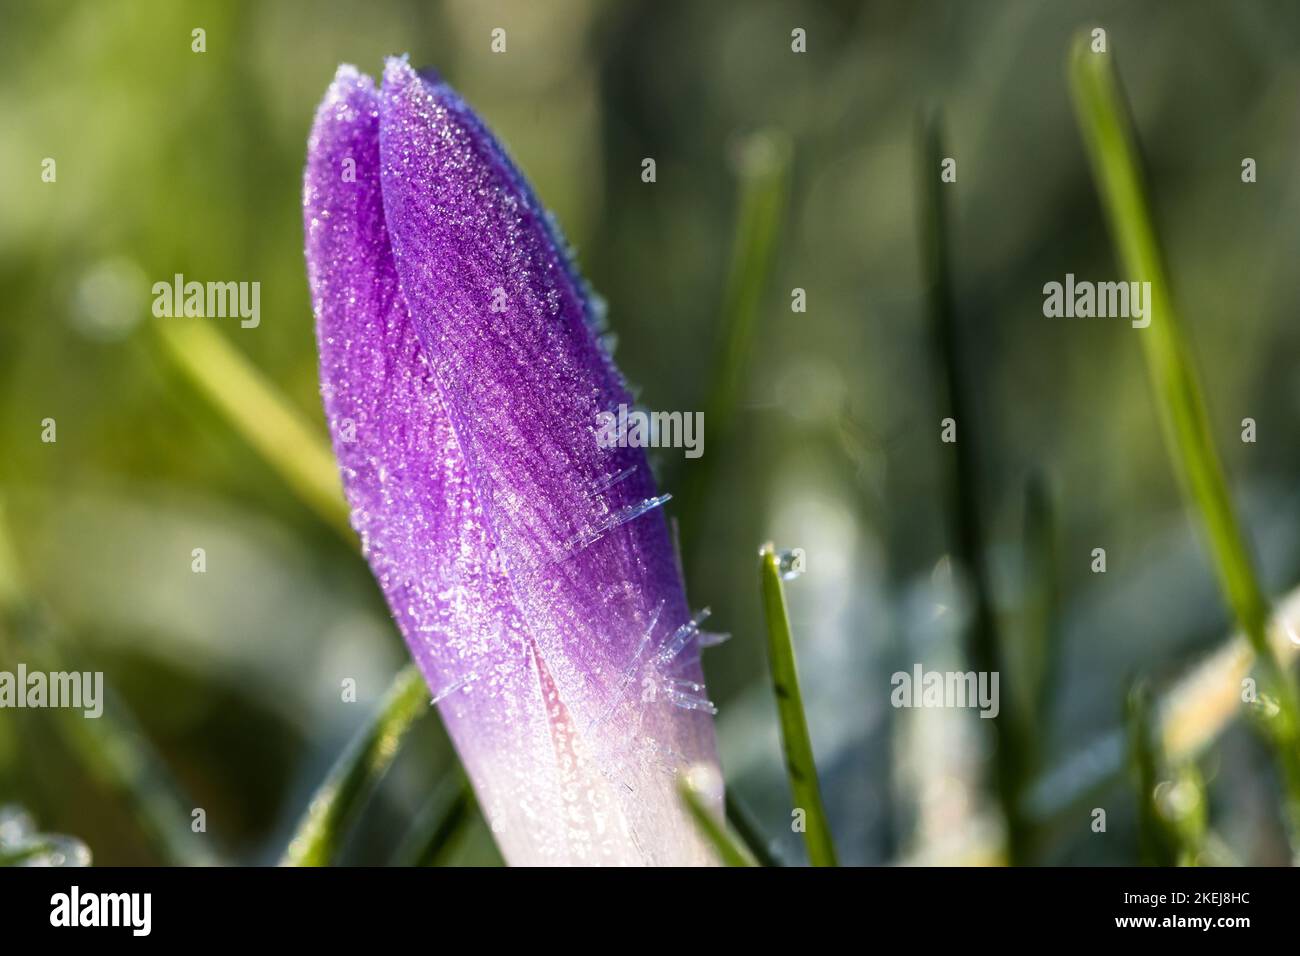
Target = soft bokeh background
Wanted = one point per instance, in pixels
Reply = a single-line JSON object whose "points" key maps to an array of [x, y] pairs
{"points": [[170, 161]]}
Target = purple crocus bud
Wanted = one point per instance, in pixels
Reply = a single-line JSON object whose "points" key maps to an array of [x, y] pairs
{"points": [[529, 568]]}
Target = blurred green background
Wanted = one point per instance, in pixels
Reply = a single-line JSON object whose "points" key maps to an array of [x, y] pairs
{"points": [[172, 161]]}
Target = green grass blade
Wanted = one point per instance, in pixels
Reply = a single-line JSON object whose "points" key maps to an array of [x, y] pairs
{"points": [[1042, 574], [1183, 804], [12, 587], [121, 760], [763, 170], [1103, 116], [1156, 843], [1031, 659], [439, 824], [1113, 152], [257, 410], [963, 475], [1192, 713], [335, 804], [1028, 653], [799, 762], [111, 749], [1172, 803], [748, 830], [711, 827]]}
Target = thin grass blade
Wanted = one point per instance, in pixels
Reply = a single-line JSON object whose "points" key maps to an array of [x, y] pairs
{"points": [[1155, 842], [763, 168], [335, 804], [749, 831], [1172, 802], [1104, 119], [963, 473], [1041, 579], [261, 414], [112, 750], [799, 763], [730, 850], [439, 824]]}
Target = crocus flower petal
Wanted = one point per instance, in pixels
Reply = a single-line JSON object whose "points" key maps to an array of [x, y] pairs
{"points": [[529, 569], [405, 480]]}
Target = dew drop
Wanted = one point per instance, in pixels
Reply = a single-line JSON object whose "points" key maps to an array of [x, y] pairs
{"points": [[790, 564]]}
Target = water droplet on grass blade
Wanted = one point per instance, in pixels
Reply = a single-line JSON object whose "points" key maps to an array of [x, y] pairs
{"points": [[790, 563]]}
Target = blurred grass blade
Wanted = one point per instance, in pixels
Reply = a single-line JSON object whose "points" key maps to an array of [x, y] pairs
{"points": [[749, 832], [1155, 842], [12, 587], [121, 760], [335, 804], [963, 477], [1029, 652], [1112, 150], [713, 829], [763, 167], [1191, 715], [112, 750], [260, 414], [1172, 804], [799, 762], [1103, 117], [439, 824]]}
